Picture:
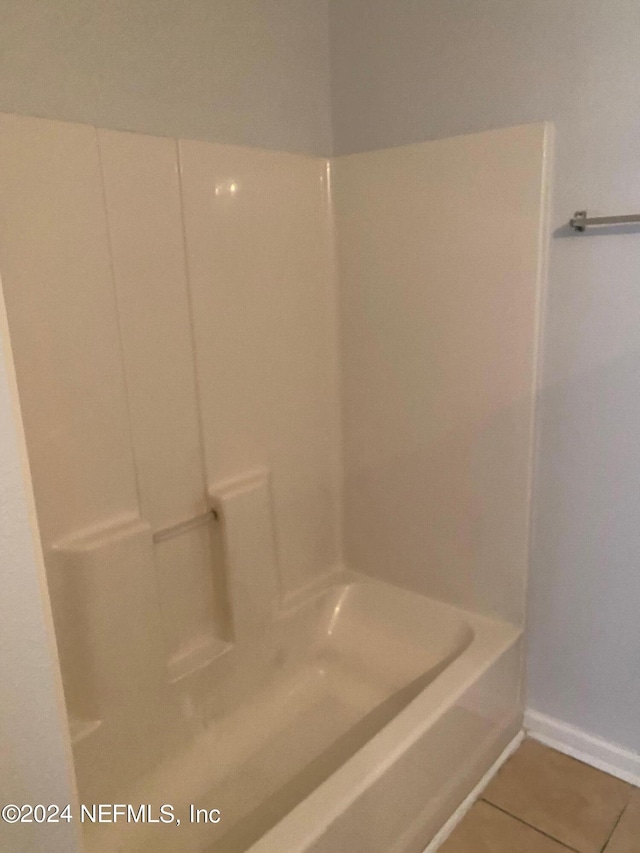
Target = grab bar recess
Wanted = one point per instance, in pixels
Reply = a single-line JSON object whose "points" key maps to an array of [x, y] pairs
{"points": [[186, 524]]}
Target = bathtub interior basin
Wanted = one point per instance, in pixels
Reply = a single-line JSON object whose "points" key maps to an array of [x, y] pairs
{"points": [[266, 723]]}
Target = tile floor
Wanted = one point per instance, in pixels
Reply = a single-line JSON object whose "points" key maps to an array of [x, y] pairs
{"points": [[544, 802]]}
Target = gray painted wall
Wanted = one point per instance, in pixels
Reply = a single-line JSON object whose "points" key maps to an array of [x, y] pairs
{"points": [[412, 70], [252, 72]]}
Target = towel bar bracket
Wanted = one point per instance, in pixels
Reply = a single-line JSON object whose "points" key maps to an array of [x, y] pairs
{"points": [[580, 221]]}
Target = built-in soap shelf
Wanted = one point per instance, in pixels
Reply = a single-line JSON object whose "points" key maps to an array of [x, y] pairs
{"points": [[111, 626], [108, 618]]}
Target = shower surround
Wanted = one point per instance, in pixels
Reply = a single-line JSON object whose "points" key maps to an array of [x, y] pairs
{"points": [[279, 413]]}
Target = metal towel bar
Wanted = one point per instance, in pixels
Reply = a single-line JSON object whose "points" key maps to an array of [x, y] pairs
{"points": [[581, 221]]}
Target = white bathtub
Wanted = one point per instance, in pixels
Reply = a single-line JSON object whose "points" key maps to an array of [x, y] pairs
{"points": [[360, 721], [395, 791]]}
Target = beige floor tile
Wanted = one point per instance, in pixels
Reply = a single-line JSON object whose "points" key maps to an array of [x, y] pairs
{"points": [[560, 796], [488, 830], [626, 836]]}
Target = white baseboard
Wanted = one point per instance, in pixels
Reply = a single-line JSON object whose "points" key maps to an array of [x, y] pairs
{"points": [[466, 804], [588, 748]]}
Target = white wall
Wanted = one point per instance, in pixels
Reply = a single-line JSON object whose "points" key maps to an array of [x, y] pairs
{"points": [[252, 72], [34, 742], [420, 69]]}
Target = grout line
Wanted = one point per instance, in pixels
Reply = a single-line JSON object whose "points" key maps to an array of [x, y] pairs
{"points": [[613, 828], [530, 825]]}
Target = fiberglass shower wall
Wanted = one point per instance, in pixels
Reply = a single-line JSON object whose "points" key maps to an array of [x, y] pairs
{"points": [[187, 336], [441, 250], [172, 311]]}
